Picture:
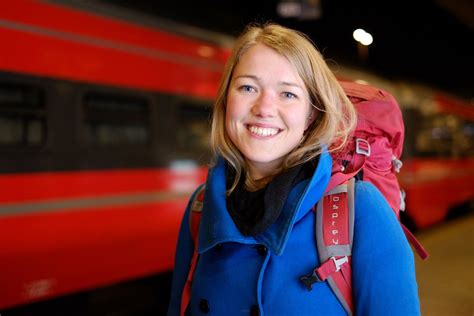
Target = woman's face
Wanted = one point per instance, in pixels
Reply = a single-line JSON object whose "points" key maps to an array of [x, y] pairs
{"points": [[268, 109]]}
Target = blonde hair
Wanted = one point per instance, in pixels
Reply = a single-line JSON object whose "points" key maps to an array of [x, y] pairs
{"points": [[335, 120]]}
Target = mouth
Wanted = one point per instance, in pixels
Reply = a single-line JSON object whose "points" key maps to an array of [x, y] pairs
{"points": [[262, 131]]}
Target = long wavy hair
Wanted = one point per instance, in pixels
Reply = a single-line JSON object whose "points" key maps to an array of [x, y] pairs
{"points": [[336, 116]]}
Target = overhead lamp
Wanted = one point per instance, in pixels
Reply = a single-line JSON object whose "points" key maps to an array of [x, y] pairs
{"points": [[363, 37]]}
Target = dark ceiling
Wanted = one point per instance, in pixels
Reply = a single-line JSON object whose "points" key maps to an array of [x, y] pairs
{"points": [[418, 40]]}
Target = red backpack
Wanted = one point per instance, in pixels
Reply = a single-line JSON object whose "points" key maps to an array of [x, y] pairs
{"points": [[373, 154]]}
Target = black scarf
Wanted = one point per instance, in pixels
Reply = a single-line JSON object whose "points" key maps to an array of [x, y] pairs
{"points": [[253, 212]]}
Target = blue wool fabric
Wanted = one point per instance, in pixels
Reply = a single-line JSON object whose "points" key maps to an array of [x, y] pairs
{"points": [[238, 275]]}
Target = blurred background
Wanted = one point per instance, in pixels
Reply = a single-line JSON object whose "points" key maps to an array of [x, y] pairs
{"points": [[104, 119]]}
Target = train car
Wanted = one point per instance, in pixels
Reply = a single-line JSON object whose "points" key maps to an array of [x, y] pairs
{"points": [[438, 169], [103, 136]]}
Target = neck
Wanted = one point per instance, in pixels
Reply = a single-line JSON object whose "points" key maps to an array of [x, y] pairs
{"points": [[255, 185], [259, 171], [257, 178]]}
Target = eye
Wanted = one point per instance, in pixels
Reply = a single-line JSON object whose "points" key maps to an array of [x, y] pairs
{"points": [[289, 95], [247, 88]]}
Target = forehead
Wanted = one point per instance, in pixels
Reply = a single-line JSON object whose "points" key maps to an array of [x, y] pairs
{"points": [[264, 61]]}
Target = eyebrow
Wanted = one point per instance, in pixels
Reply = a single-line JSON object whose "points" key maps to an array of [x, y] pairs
{"points": [[248, 76], [291, 84], [282, 83]]}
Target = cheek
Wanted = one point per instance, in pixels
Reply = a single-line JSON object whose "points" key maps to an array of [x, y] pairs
{"points": [[231, 117], [297, 120], [234, 110], [230, 105]]}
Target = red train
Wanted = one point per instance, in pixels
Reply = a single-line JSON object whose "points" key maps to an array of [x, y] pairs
{"points": [[103, 125]]}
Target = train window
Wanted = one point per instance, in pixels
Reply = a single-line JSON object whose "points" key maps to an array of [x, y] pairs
{"points": [[194, 127], [22, 115], [116, 120], [444, 135], [21, 96]]}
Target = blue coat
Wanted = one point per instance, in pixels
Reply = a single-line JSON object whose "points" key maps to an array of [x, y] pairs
{"points": [[238, 275]]}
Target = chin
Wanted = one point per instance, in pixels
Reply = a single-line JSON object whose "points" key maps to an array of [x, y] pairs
{"points": [[263, 160]]}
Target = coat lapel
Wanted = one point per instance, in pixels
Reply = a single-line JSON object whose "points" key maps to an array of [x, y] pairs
{"points": [[217, 225]]}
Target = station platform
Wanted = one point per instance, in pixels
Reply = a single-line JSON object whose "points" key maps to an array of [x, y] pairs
{"points": [[446, 279]]}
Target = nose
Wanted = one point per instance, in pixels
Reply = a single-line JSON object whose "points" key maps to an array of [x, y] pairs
{"points": [[265, 105]]}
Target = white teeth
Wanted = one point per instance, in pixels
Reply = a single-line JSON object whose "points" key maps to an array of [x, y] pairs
{"points": [[263, 131]]}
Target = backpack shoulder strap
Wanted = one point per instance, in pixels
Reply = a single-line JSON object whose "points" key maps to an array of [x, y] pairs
{"points": [[196, 211], [334, 235], [194, 221]]}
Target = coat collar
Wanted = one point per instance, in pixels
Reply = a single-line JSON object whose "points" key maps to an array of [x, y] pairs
{"points": [[217, 225]]}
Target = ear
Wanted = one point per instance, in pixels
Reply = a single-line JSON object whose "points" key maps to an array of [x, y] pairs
{"points": [[312, 116]]}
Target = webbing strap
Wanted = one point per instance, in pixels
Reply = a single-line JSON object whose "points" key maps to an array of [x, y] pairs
{"points": [[341, 285], [420, 250], [331, 266], [340, 176], [186, 295], [194, 220]]}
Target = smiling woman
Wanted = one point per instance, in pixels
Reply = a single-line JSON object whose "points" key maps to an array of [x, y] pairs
{"points": [[247, 236]]}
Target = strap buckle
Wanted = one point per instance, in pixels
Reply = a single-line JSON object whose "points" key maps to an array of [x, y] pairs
{"points": [[320, 274], [309, 280], [397, 164], [362, 147], [339, 262]]}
